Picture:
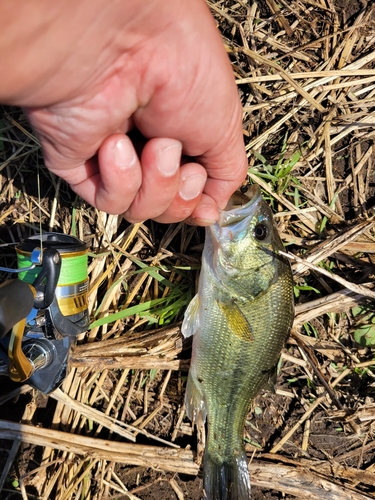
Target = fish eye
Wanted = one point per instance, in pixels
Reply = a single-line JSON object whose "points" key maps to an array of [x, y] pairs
{"points": [[260, 232]]}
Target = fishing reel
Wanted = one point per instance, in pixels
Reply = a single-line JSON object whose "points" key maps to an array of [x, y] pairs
{"points": [[43, 311]]}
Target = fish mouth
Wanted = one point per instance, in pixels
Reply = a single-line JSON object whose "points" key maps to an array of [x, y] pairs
{"points": [[240, 206], [233, 224]]}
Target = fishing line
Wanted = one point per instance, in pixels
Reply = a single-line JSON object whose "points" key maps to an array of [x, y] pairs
{"points": [[39, 207]]}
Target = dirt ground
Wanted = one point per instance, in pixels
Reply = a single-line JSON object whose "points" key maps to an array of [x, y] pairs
{"points": [[333, 430]]}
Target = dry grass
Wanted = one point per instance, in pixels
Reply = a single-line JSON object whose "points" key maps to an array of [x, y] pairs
{"points": [[306, 76]]}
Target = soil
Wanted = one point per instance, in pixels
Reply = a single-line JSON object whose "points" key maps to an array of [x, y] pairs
{"points": [[327, 438]]}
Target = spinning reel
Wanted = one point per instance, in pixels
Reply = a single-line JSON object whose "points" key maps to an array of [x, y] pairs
{"points": [[43, 311]]}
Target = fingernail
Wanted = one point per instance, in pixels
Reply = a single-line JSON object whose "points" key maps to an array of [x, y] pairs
{"points": [[197, 221], [192, 186], [124, 154], [169, 160]]}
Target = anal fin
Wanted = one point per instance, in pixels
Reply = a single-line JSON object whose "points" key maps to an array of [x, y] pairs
{"points": [[194, 402], [197, 412]]}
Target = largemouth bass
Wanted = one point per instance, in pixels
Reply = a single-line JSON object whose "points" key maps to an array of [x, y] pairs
{"points": [[240, 319]]}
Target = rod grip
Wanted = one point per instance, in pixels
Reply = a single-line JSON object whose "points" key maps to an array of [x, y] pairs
{"points": [[16, 301]]}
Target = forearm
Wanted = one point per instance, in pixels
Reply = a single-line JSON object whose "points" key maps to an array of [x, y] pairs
{"points": [[44, 45]]}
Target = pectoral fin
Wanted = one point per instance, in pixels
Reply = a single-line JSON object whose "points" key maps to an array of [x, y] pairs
{"points": [[191, 318], [237, 321]]}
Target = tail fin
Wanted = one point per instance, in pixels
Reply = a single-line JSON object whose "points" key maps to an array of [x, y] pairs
{"points": [[227, 480]]}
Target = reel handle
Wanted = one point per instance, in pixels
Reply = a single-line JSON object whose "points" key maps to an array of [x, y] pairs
{"points": [[19, 367]]}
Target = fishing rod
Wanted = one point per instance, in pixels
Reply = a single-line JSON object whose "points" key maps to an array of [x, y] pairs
{"points": [[44, 310]]}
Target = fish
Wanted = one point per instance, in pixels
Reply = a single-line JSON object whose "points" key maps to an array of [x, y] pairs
{"points": [[240, 319]]}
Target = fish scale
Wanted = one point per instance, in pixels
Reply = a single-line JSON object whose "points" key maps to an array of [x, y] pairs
{"points": [[240, 319]]}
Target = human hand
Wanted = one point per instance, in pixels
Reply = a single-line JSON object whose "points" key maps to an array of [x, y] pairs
{"points": [[160, 68]]}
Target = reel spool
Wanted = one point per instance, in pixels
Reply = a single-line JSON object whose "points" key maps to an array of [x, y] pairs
{"points": [[69, 301]]}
